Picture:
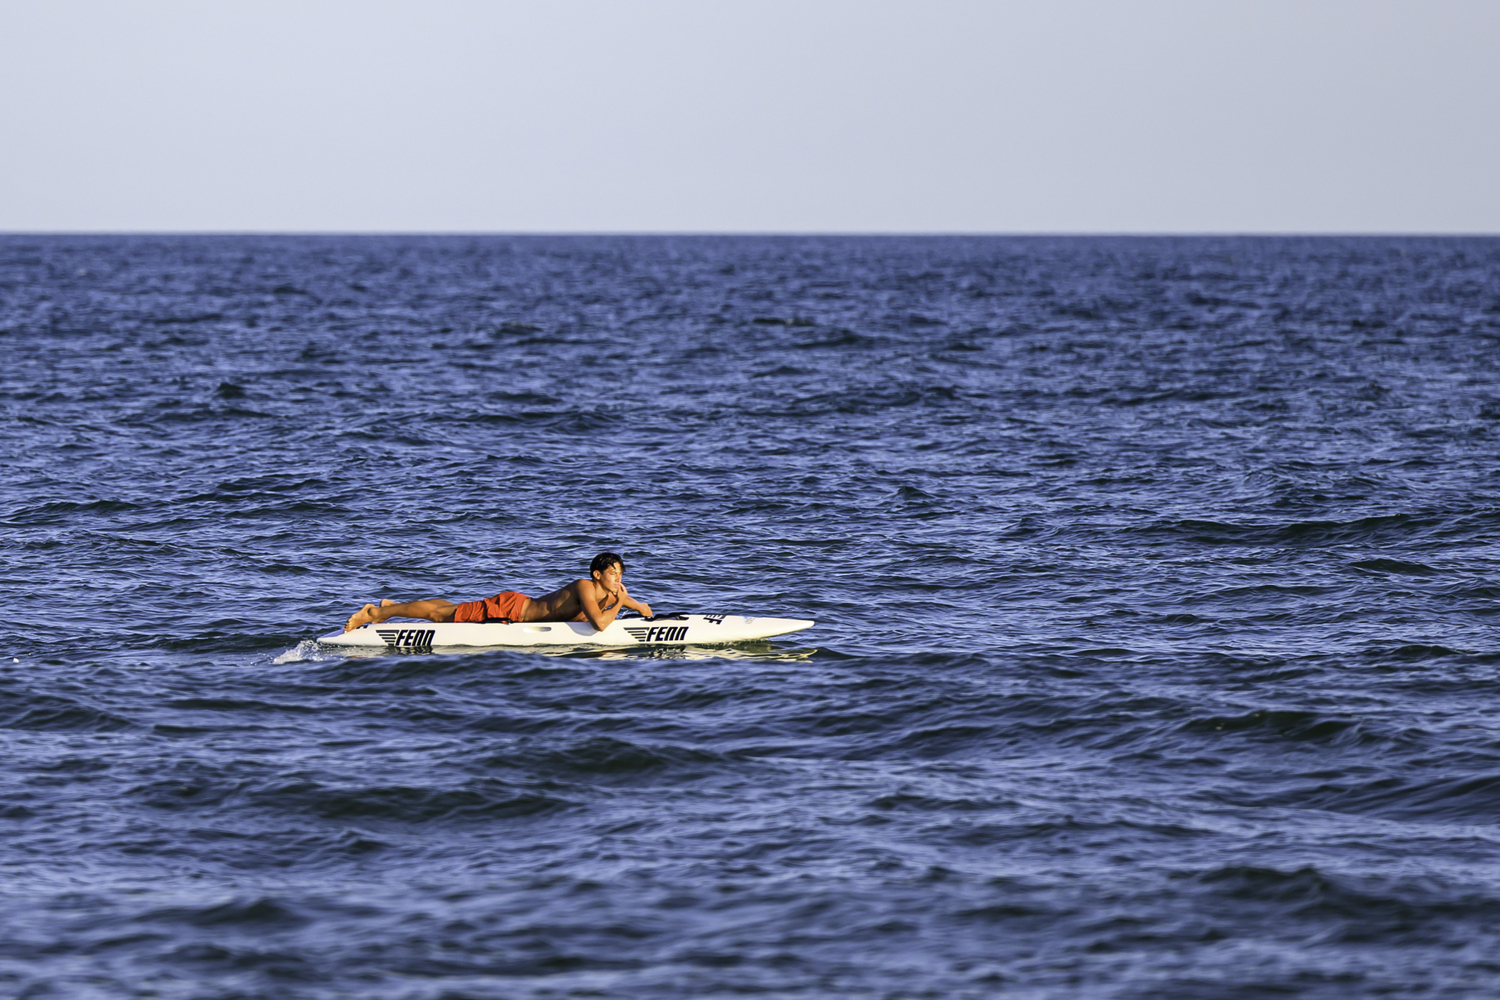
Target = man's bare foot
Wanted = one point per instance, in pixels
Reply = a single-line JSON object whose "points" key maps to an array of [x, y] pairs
{"points": [[363, 616], [388, 602]]}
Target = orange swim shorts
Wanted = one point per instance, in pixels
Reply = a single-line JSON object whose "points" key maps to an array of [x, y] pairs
{"points": [[507, 604]]}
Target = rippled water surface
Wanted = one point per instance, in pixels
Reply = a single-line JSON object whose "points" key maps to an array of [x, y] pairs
{"points": [[1155, 583]]}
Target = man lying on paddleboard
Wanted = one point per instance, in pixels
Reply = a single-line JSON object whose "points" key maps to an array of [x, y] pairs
{"points": [[596, 600]]}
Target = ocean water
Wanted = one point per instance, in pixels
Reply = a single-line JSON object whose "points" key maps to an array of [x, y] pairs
{"points": [[1155, 582]]}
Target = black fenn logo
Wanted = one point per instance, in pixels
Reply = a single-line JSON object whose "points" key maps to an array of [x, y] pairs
{"points": [[659, 633], [407, 638], [715, 619]]}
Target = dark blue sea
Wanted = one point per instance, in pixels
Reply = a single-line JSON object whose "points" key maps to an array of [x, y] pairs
{"points": [[1155, 582]]}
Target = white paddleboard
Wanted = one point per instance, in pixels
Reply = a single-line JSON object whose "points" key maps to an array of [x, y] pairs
{"points": [[676, 630]]}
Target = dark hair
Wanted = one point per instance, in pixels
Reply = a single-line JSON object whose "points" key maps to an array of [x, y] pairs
{"points": [[604, 561]]}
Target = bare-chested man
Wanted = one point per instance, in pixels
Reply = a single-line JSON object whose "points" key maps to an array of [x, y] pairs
{"points": [[596, 600]]}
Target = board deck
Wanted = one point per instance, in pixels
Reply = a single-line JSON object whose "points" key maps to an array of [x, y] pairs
{"points": [[672, 630]]}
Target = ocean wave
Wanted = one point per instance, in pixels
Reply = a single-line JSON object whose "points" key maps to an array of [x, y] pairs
{"points": [[1470, 800], [477, 801], [603, 756], [55, 713]]}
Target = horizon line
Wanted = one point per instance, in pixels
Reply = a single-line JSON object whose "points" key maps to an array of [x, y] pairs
{"points": [[782, 233]]}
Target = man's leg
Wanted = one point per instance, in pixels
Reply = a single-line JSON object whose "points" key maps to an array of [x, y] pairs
{"points": [[434, 609]]}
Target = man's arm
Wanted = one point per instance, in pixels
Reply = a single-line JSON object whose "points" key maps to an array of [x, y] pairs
{"points": [[626, 601], [589, 595]]}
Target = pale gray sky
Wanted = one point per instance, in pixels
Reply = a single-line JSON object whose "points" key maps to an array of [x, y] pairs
{"points": [[751, 115]]}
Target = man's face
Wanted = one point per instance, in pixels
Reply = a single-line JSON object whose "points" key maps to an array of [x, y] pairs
{"points": [[610, 579]]}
